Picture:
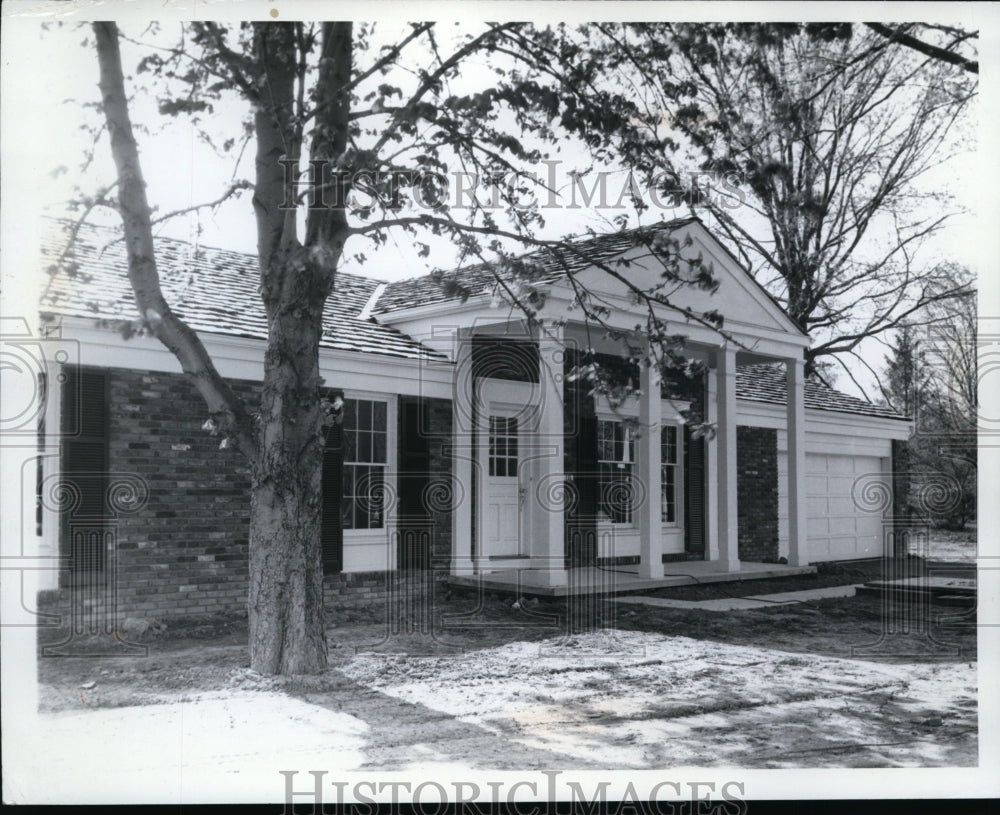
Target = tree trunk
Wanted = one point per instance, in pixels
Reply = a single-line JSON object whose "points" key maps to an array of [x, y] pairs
{"points": [[286, 572], [286, 576]]}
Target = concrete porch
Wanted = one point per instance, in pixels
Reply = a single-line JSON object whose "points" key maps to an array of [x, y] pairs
{"points": [[624, 579]]}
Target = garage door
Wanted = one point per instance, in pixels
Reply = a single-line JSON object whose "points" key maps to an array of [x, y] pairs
{"points": [[841, 525]]}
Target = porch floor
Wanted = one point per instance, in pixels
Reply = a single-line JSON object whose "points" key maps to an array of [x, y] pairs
{"points": [[625, 579]]}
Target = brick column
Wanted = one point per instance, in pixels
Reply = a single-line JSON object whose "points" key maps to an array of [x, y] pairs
{"points": [[711, 473], [898, 515]]}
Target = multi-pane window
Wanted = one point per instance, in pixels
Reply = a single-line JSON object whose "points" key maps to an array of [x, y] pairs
{"points": [[615, 454], [668, 474], [365, 439], [503, 446]]}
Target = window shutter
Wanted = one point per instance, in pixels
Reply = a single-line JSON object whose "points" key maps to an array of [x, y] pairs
{"points": [[581, 527], [85, 464], [694, 494], [331, 530]]}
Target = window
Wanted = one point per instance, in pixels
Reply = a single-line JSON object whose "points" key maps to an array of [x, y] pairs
{"points": [[615, 454], [668, 474], [365, 439], [503, 446]]}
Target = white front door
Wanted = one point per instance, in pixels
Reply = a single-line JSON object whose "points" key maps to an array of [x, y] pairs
{"points": [[502, 494]]}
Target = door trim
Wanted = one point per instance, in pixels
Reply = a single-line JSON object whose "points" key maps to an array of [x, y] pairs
{"points": [[518, 400]]}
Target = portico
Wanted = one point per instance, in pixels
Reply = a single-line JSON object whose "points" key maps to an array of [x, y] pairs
{"points": [[554, 477]]}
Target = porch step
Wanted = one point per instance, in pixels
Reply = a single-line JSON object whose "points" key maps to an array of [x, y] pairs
{"points": [[622, 580], [942, 590], [784, 598]]}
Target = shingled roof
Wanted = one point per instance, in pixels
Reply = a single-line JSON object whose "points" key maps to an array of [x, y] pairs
{"points": [[766, 383], [481, 278], [214, 290]]}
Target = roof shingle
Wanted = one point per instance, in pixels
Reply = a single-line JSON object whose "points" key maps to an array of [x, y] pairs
{"points": [[215, 291], [482, 279], [766, 383]]}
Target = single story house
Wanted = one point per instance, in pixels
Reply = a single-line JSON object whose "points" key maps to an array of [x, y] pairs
{"points": [[465, 447]]}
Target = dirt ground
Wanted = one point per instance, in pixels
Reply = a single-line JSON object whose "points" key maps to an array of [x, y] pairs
{"points": [[475, 682]]}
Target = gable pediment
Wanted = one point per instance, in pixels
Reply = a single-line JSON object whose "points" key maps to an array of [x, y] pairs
{"points": [[741, 300]]}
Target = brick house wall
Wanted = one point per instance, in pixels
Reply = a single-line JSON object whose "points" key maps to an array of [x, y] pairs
{"points": [[184, 552], [757, 493]]}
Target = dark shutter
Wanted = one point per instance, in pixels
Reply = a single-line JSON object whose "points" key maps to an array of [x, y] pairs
{"points": [[414, 521], [85, 466], [694, 495], [581, 524], [331, 530]]}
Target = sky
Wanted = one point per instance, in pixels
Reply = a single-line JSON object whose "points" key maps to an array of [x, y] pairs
{"points": [[50, 78]]}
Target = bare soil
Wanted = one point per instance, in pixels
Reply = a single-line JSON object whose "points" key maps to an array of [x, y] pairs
{"points": [[478, 682]]}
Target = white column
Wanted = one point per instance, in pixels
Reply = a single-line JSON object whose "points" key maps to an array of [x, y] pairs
{"points": [[728, 531], [548, 534], [798, 549], [647, 455], [712, 475], [462, 430]]}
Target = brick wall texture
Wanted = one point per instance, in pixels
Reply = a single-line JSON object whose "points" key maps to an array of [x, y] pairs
{"points": [[184, 552], [757, 493]]}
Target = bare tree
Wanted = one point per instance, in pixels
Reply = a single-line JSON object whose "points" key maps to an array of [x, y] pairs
{"points": [[385, 121], [941, 42], [828, 131], [931, 375]]}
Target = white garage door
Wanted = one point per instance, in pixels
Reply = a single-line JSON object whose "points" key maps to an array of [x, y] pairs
{"points": [[843, 506]]}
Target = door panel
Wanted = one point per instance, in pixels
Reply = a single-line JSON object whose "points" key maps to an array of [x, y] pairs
{"points": [[502, 510]]}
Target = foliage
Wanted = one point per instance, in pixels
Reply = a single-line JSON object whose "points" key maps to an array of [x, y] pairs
{"points": [[931, 376]]}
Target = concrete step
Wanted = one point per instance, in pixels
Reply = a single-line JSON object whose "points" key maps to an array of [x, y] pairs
{"points": [[935, 589]]}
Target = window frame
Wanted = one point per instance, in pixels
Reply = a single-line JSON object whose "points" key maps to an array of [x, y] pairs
{"points": [[672, 467], [604, 413], [389, 468], [628, 443], [509, 455], [670, 416]]}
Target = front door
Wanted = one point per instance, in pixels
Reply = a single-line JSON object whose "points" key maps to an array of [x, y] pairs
{"points": [[503, 494]]}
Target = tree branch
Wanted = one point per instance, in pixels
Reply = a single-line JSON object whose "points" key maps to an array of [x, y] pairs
{"points": [[942, 54], [225, 408]]}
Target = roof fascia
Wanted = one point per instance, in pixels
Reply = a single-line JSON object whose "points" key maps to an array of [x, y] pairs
{"points": [[243, 358]]}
